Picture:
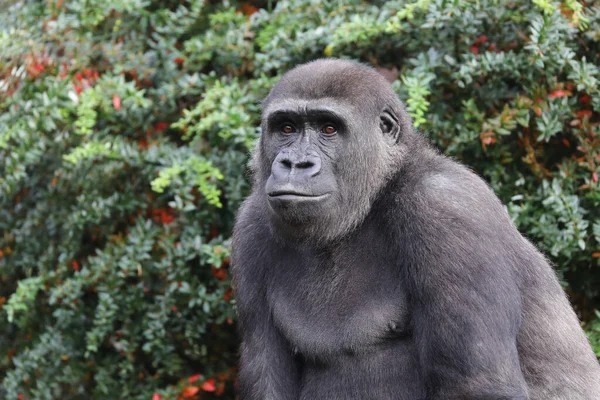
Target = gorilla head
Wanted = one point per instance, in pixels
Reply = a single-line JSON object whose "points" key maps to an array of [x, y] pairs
{"points": [[325, 125]]}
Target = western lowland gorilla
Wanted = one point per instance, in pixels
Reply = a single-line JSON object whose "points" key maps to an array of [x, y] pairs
{"points": [[367, 265]]}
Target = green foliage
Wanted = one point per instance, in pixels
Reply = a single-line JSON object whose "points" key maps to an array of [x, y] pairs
{"points": [[202, 172], [86, 111], [23, 297], [125, 129]]}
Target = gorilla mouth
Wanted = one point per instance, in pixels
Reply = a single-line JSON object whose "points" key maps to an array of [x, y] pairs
{"points": [[292, 195]]}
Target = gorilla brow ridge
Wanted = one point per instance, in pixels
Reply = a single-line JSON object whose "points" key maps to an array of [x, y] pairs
{"points": [[280, 115]]}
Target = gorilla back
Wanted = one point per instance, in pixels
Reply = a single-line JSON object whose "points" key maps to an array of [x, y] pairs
{"points": [[369, 266]]}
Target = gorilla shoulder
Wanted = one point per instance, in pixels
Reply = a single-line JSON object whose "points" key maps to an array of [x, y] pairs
{"points": [[455, 190]]}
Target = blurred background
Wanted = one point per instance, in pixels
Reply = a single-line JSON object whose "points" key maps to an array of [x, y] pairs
{"points": [[126, 126]]}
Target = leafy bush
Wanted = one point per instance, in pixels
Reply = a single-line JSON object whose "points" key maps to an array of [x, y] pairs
{"points": [[124, 132]]}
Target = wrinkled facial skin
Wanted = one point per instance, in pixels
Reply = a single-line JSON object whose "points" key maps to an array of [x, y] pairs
{"points": [[303, 143]]}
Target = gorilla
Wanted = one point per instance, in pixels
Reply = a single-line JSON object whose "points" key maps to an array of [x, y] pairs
{"points": [[366, 265]]}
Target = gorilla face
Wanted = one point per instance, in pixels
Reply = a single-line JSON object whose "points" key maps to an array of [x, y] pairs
{"points": [[324, 156], [304, 141]]}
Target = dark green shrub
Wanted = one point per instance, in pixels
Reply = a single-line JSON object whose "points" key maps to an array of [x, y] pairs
{"points": [[125, 129]]}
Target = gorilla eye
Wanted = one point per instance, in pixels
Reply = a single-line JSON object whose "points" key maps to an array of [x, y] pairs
{"points": [[329, 129], [287, 129]]}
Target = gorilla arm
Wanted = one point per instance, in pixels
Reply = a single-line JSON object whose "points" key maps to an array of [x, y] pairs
{"points": [[465, 296], [268, 369]]}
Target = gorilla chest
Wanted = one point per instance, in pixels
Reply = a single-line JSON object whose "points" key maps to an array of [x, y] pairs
{"points": [[346, 304]]}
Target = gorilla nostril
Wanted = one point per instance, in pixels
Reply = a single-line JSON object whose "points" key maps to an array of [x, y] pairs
{"points": [[286, 163], [305, 164]]}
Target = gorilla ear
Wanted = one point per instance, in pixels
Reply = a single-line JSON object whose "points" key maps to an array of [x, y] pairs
{"points": [[389, 124]]}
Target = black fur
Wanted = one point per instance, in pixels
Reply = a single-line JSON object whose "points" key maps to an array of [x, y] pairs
{"points": [[404, 279]]}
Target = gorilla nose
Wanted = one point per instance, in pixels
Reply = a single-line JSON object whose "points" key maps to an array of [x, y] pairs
{"points": [[307, 166]]}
